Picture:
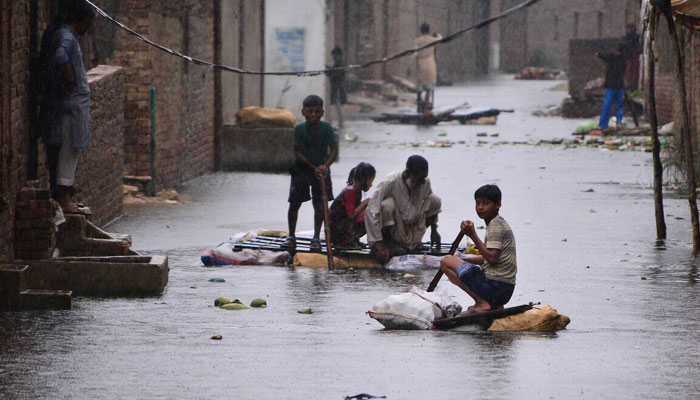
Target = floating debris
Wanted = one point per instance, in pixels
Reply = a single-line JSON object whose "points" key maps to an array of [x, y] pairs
{"points": [[306, 310], [217, 280]]}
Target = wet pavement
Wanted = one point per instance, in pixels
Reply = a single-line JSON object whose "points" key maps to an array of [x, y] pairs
{"points": [[583, 219]]}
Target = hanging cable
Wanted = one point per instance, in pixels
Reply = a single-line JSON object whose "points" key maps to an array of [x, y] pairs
{"points": [[382, 60]]}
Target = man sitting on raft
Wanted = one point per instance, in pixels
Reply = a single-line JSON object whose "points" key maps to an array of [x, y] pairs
{"points": [[401, 210]]}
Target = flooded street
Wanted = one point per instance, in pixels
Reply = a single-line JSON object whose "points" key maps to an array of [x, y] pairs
{"points": [[583, 219]]}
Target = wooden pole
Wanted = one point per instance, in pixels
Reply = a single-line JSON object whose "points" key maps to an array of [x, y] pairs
{"points": [[679, 77], [653, 121], [326, 226], [437, 277]]}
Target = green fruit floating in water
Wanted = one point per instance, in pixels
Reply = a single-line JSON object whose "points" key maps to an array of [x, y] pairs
{"points": [[220, 301], [234, 306], [258, 303]]}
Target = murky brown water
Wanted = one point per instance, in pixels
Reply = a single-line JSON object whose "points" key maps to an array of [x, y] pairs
{"points": [[592, 255]]}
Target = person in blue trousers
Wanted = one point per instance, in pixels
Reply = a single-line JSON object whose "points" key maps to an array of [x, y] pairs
{"points": [[614, 85]]}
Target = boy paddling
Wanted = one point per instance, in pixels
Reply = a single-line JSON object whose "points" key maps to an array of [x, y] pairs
{"points": [[315, 149], [488, 278]]}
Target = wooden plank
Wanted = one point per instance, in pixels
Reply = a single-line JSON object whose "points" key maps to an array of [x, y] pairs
{"points": [[483, 318]]}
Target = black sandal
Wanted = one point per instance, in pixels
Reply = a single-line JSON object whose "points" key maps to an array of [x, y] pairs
{"points": [[290, 243], [315, 246]]}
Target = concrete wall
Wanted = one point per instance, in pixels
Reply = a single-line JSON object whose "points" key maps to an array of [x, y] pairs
{"points": [[242, 46], [549, 25], [294, 40], [370, 29], [256, 149], [585, 65]]}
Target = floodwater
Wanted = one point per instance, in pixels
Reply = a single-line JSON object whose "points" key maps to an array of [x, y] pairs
{"points": [[591, 254]]}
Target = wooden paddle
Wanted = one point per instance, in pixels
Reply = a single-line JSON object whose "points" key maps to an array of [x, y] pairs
{"points": [[437, 277], [327, 228]]}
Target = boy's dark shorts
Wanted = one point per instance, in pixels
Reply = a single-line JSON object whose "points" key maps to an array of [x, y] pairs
{"points": [[299, 187], [495, 292]]}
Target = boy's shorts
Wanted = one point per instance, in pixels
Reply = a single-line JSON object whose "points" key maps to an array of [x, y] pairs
{"points": [[495, 292], [299, 187]]}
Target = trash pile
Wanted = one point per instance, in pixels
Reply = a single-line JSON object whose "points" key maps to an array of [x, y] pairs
{"points": [[134, 195], [540, 73], [226, 254]]}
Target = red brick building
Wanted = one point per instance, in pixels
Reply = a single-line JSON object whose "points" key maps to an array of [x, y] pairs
{"points": [[173, 144]]}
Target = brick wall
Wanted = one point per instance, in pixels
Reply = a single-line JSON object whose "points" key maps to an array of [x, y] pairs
{"points": [[35, 230], [99, 171], [184, 105], [14, 120], [667, 103]]}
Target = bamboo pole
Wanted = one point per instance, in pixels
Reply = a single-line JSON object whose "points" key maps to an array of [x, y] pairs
{"points": [[652, 21], [327, 227], [679, 77]]}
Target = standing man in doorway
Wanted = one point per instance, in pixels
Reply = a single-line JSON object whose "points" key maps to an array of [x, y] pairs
{"points": [[64, 108]]}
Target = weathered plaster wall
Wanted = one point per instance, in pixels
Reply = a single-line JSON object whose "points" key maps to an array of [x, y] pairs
{"points": [[297, 18]]}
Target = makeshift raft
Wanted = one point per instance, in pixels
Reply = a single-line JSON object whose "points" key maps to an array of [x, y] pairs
{"points": [[527, 317], [435, 118], [421, 310], [265, 247]]}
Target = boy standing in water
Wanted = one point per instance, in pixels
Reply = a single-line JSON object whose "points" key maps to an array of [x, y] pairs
{"points": [[315, 149], [490, 283]]}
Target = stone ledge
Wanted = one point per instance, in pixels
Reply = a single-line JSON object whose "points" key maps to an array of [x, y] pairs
{"points": [[100, 276], [256, 149], [34, 299]]}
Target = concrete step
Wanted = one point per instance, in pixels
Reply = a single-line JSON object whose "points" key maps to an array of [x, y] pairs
{"points": [[11, 284], [37, 299], [79, 237]]}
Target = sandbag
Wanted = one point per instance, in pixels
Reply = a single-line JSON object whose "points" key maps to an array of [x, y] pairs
{"points": [[406, 311], [541, 318], [259, 117], [414, 310], [408, 262]]}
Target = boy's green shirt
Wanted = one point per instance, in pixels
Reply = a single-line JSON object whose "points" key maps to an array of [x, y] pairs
{"points": [[315, 147]]}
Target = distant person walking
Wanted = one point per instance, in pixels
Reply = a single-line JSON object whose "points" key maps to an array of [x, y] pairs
{"points": [[64, 106], [337, 78], [426, 69]]}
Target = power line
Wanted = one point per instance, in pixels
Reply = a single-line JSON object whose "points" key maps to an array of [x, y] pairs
{"points": [[197, 61]]}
